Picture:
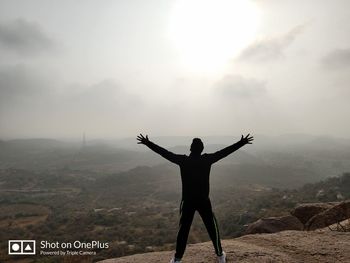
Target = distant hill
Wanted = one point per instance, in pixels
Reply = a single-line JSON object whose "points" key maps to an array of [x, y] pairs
{"points": [[301, 156], [44, 154]]}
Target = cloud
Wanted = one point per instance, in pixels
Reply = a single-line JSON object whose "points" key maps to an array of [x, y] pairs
{"points": [[238, 87], [106, 96], [270, 49], [22, 87], [35, 102], [337, 59], [24, 37], [20, 82]]}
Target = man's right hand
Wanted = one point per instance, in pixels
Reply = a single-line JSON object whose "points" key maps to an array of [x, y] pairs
{"points": [[247, 139], [142, 140]]}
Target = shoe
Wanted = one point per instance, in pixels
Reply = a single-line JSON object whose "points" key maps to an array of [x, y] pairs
{"points": [[222, 258], [173, 260]]}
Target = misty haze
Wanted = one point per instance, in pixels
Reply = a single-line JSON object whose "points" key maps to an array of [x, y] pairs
{"points": [[79, 80], [113, 69]]}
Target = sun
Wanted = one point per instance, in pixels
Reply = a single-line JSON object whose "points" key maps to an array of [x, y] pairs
{"points": [[208, 33]]}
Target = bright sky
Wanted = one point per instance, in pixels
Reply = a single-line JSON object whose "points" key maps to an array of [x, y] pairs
{"points": [[174, 67]]}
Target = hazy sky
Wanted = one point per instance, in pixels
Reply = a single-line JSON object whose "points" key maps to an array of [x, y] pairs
{"points": [[174, 67]]}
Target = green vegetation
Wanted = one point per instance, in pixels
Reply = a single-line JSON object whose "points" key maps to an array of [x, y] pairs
{"points": [[100, 193], [135, 211]]}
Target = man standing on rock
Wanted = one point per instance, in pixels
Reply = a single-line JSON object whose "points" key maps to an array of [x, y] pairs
{"points": [[195, 170]]}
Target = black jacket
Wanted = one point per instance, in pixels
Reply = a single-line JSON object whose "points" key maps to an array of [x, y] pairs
{"points": [[194, 169]]}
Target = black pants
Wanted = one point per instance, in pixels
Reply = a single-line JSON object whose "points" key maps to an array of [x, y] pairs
{"points": [[187, 210]]}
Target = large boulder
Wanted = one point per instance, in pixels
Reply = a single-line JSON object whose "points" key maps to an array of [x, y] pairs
{"points": [[305, 211], [343, 226], [274, 224], [335, 214]]}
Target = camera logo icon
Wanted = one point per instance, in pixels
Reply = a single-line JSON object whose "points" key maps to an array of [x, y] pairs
{"points": [[21, 247]]}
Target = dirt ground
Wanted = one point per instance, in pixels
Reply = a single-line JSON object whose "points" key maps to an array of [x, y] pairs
{"points": [[286, 246]]}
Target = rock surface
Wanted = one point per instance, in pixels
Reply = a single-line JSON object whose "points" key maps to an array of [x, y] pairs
{"points": [[343, 226], [282, 247], [335, 214], [307, 210], [274, 224]]}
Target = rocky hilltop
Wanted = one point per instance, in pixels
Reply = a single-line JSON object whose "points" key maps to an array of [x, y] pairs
{"points": [[327, 242], [286, 246]]}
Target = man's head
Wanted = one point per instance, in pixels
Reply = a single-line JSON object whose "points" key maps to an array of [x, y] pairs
{"points": [[197, 146]]}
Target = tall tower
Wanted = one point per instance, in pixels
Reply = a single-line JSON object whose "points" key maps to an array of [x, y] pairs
{"points": [[84, 141]]}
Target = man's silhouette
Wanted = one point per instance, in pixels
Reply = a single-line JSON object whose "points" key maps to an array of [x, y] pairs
{"points": [[195, 170]]}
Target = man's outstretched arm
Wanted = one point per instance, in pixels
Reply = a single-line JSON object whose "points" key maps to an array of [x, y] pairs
{"points": [[214, 157], [172, 157]]}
